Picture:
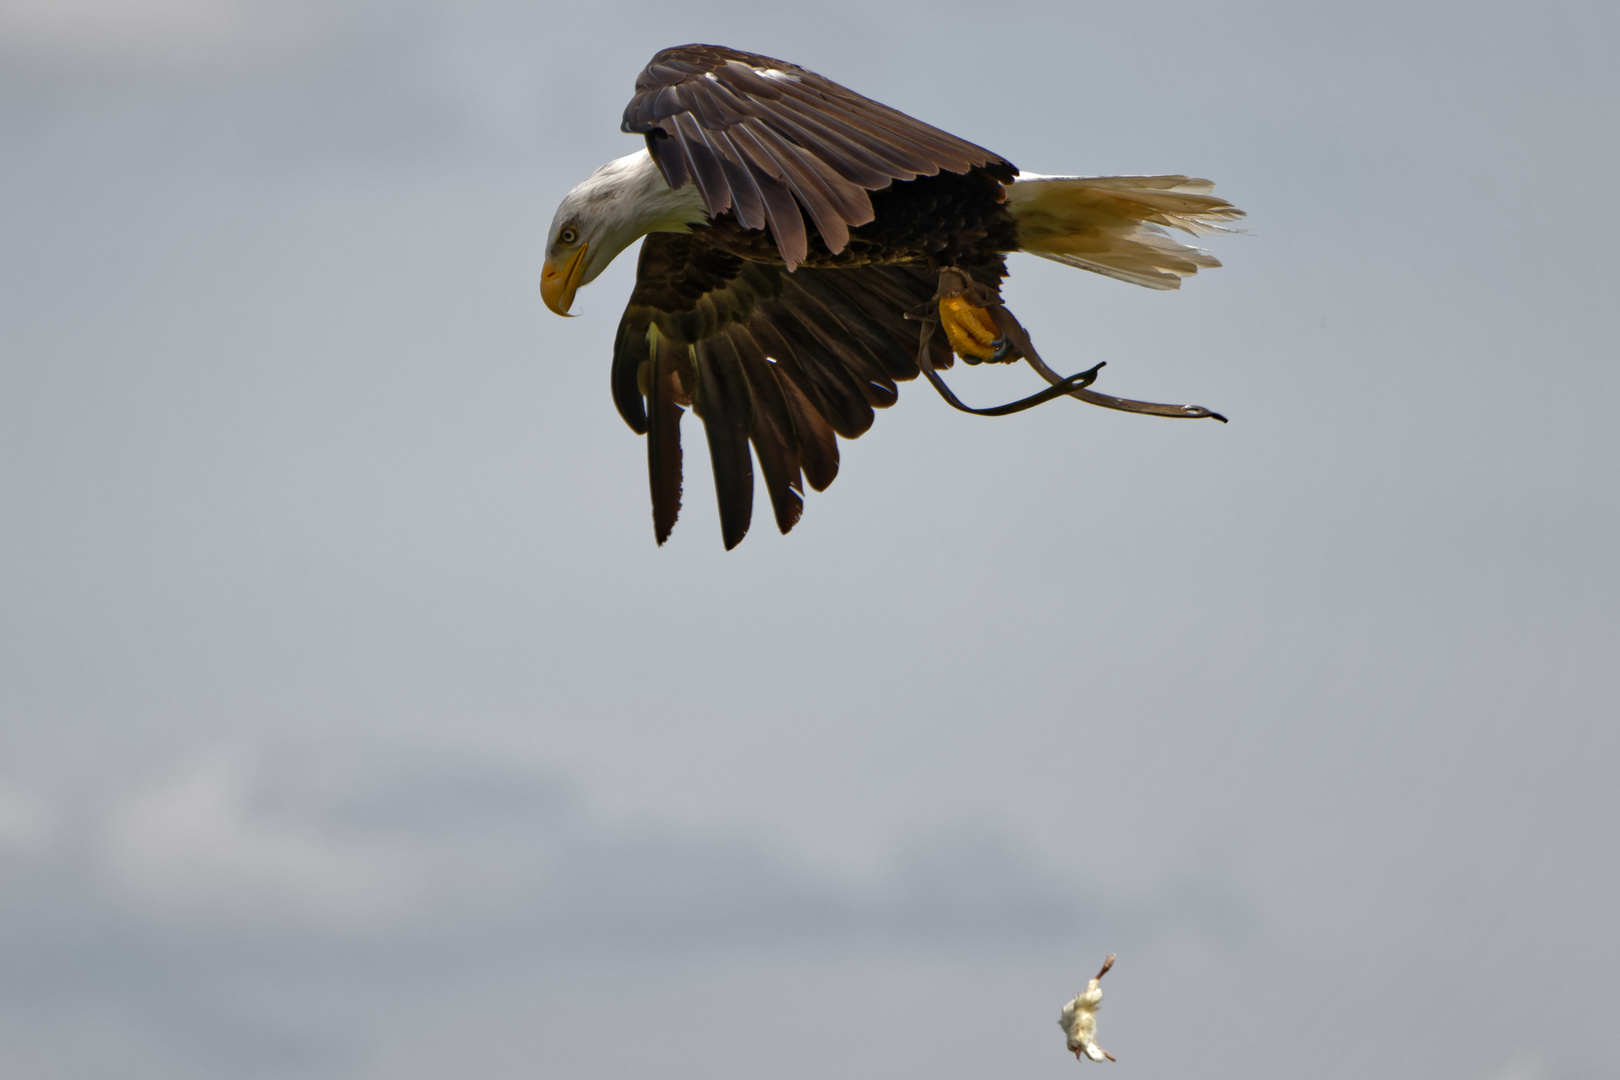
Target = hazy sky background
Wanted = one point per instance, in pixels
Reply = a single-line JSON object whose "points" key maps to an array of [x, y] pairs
{"points": [[352, 726]]}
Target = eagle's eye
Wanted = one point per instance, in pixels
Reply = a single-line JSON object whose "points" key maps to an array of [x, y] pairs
{"points": [[568, 235]]}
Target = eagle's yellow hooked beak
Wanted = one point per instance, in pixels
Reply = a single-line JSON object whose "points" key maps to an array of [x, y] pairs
{"points": [[558, 284]]}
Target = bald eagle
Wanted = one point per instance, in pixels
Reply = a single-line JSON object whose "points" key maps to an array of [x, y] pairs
{"points": [[802, 244]]}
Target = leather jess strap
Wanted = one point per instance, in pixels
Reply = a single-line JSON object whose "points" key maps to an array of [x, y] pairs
{"points": [[954, 282]]}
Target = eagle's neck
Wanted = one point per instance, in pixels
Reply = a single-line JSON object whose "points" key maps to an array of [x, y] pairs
{"points": [[630, 199]]}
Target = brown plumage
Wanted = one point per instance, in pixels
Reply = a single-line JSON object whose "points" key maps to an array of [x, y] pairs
{"points": [[795, 233], [755, 134], [780, 360]]}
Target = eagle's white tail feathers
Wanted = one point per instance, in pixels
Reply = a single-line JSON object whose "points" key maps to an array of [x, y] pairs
{"points": [[1113, 224]]}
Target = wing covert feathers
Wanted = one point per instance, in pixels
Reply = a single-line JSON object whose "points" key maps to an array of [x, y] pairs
{"points": [[772, 362], [1115, 225], [764, 138]]}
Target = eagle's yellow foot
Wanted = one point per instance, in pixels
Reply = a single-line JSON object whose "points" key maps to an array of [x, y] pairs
{"points": [[971, 330]]}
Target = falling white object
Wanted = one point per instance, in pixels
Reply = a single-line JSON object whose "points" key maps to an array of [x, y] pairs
{"points": [[1079, 1019]]}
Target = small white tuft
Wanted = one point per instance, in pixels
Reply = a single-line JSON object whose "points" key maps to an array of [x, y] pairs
{"points": [[1079, 1019]]}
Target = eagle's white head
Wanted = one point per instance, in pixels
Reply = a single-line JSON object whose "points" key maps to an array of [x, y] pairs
{"points": [[614, 207]]}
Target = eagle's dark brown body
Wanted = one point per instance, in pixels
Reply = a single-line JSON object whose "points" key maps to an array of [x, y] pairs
{"points": [[932, 222]]}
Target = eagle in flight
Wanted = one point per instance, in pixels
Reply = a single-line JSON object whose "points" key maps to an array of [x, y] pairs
{"points": [[802, 245]]}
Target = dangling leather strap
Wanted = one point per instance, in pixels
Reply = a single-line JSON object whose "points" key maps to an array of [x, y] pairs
{"points": [[954, 282], [1059, 387], [1015, 332]]}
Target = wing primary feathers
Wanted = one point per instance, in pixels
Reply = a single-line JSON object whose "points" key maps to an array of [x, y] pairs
{"points": [[777, 365], [828, 386], [717, 107], [853, 162], [724, 405], [748, 202], [860, 128], [664, 436], [878, 124], [773, 436], [629, 353], [830, 128], [827, 144], [871, 319], [671, 158], [787, 223], [818, 446], [706, 170], [822, 324], [814, 191]]}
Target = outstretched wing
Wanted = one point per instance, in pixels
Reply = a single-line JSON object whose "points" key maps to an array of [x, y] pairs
{"points": [[781, 361], [755, 134]]}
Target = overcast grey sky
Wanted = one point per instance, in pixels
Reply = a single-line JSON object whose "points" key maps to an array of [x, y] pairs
{"points": [[352, 726]]}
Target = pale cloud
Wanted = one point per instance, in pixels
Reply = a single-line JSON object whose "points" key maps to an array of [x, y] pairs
{"points": [[25, 821], [247, 910], [146, 32], [1523, 1065], [253, 841], [199, 844]]}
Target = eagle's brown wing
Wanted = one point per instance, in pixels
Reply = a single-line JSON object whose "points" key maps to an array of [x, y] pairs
{"points": [[784, 361], [754, 134]]}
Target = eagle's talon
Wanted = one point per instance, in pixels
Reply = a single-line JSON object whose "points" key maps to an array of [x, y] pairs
{"points": [[1003, 351], [970, 328]]}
